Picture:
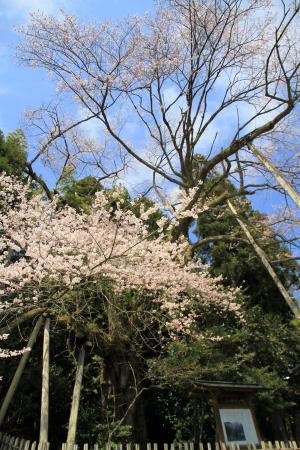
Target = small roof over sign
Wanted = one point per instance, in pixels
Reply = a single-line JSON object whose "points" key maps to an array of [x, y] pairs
{"points": [[206, 385]]}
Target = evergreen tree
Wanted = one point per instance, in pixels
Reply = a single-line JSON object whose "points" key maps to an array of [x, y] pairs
{"points": [[13, 153], [230, 255]]}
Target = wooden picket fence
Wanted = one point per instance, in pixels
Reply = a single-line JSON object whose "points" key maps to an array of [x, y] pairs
{"points": [[8, 442]]}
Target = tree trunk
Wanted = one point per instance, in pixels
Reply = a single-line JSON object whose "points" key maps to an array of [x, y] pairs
{"points": [[261, 254], [21, 366], [75, 400], [280, 433], [45, 385], [122, 380], [276, 174], [124, 396], [297, 427]]}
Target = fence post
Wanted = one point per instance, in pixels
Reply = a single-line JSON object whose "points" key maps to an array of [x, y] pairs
{"points": [[27, 445]]}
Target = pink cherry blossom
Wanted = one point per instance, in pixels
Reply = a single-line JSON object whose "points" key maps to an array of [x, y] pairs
{"points": [[56, 244]]}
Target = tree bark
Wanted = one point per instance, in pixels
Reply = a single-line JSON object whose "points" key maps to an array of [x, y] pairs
{"points": [[75, 400], [123, 392], [279, 427], [276, 174], [21, 366], [297, 427], [263, 257], [44, 425]]}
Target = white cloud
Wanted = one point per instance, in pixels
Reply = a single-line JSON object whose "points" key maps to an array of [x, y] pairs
{"points": [[137, 178], [92, 127]]}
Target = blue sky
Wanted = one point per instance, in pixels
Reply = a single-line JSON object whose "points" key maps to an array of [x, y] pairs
{"points": [[22, 88]]}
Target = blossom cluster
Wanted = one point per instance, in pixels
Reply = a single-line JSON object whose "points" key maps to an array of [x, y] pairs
{"points": [[42, 240], [6, 353], [94, 59]]}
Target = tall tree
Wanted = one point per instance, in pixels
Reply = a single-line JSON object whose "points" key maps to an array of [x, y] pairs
{"points": [[183, 74], [223, 245], [107, 276], [180, 73]]}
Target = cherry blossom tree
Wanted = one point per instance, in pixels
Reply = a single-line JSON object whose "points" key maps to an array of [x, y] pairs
{"points": [[50, 249], [202, 83], [179, 74]]}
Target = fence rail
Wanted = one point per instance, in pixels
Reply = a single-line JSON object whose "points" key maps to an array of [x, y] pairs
{"points": [[8, 442]]}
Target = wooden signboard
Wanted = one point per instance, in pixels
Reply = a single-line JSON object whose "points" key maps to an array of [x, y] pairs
{"points": [[235, 418], [238, 426]]}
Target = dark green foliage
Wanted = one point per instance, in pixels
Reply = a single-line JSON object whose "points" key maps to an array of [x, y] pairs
{"points": [[261, 349], [23, 417], [237, 261], [80, 194], [126, 352], [13, 153], [179, 415], [147, 203]]}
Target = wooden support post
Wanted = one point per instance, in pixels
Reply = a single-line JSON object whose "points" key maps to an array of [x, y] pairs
{"points": [[216, 408], [276, 174], [75, 400], [263, 257], [44, 425], [16, 379]]}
